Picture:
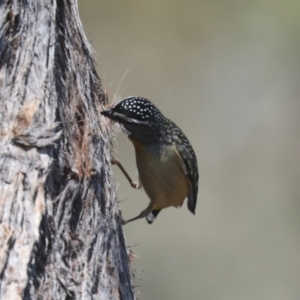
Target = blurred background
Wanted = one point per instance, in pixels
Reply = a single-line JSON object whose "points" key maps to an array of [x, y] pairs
{"points": [[228, 73]]}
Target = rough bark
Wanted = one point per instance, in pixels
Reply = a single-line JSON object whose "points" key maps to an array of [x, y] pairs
{"points": [[60, 237]]}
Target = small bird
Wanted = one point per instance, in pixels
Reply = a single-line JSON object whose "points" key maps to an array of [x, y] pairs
{"points": [[166, 161]]}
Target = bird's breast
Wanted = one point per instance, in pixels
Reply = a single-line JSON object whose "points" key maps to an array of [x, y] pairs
{"points": [[161, 172]]}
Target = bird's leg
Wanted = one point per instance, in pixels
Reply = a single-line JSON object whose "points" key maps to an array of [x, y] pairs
{"points": [[135, 185], [143, 214]]}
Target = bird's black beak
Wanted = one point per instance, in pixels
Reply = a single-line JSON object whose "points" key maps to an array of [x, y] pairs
{"points": [[119, 117], [113, 115], [108, 113]]}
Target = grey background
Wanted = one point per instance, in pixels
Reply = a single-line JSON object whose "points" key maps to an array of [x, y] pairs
{"points": [[227, 72]]}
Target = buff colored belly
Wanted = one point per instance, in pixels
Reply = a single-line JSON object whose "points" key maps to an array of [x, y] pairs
{"points": [[162, 176]]}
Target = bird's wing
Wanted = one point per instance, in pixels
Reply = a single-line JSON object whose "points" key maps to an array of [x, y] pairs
{"points": [[189, 159]]}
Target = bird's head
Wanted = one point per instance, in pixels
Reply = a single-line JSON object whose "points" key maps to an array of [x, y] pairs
{"points": [[138, 116]]}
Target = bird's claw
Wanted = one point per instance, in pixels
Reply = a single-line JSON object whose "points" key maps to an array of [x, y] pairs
{"points": [[134, 184], [123, 222]]}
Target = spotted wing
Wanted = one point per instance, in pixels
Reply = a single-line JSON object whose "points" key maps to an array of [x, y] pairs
{"points": [[189, 158]]}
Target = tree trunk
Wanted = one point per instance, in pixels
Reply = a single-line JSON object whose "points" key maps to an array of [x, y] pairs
{"points": [[60, 237]]}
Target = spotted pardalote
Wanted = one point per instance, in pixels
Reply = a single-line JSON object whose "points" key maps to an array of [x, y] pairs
{"points": [[166, 161]]}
